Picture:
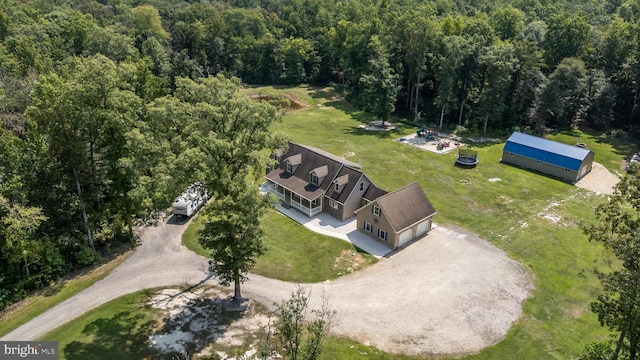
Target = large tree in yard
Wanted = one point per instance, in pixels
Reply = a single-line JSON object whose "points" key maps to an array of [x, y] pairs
{"points": [[233, 234], [229, 144], [380, 84], [617, 227]]}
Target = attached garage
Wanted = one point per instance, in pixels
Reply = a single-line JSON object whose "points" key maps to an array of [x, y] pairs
{"points": [[405, 237], [422, 228], [397, 218], [553, 158]]}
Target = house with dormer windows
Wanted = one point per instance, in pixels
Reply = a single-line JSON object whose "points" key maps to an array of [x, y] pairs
{"points": [[314, 181]]}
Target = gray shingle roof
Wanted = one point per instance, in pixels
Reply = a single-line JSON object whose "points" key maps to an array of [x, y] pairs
{"points": [[346, 173], [406, 206], [309, 160]]}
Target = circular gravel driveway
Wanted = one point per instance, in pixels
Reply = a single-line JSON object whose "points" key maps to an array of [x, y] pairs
{"points": [[448, 293]]}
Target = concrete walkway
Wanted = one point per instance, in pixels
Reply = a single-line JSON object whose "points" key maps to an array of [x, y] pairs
{"points": [[327, 225]]}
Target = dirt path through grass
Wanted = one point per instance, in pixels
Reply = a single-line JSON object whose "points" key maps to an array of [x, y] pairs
{"points": [[449, 293]]}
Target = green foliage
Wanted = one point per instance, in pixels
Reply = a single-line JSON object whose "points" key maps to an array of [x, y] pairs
{"points": [[380, 85], [298, 336], [596, 351], [568, 36], [224, 143], [617, 227], [147, 23]]}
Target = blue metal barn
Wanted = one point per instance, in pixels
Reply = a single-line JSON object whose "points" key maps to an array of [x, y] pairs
{"points": [[567, 162]]}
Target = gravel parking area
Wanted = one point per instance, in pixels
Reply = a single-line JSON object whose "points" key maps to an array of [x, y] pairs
{"points": [[448, 293], [600, 180]]}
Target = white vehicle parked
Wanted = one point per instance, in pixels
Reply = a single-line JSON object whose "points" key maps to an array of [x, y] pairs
{"points": [[190, 201]]}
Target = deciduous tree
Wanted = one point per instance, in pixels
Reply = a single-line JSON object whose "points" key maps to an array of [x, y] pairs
{"points": [[380, 85], [617, 227], [227, 141]]}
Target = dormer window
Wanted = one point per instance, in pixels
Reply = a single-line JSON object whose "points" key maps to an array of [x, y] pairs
{"points": [[292, 162], [318, 174], [376, 210], [361, 186], [341, 182]]}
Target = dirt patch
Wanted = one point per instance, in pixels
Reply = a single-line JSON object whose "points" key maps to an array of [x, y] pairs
{"points": [[296, 103], [349, 262], [600, 180], [293, 103], [204, 322], [441, 144]]}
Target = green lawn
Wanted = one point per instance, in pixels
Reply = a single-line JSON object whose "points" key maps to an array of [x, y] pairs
{"points": [[503, 204], [557, 321], [119, 329], [295, 253]]}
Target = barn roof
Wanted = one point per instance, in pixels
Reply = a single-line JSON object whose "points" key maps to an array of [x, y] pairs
{"points": [[548, 151]]}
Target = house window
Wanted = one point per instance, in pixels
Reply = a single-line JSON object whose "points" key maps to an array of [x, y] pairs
{"points": [[368, 227], [315, 202], [512, 154], [337, 187], [333, 204], [538, 162], [361, 186], [382, 234], [289, 168], [314, 179], [376, 210]]}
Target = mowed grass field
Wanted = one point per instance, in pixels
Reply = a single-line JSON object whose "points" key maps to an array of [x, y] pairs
{"points": [[510, 207], [296, 254], [535, 219]]}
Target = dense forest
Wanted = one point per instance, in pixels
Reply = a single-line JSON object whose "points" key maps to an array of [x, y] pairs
{"points": [[93, 93]]}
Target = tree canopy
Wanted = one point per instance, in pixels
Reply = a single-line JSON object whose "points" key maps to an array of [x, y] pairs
{"points": [[101, 102]]}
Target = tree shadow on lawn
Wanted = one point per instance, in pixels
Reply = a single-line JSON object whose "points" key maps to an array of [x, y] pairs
{"points": [[206, 319], [200, 322], [390, 134], [621, 147], [124, 336]]}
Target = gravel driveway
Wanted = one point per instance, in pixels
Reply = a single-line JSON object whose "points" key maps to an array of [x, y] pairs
{"points": [[449, 293]]}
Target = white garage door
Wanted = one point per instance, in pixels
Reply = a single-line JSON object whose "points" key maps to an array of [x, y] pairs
{"points": [[422, 229], [404, 238]]}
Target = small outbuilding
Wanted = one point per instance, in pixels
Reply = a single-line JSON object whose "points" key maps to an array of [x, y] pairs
{"points": [[397, 218], [550, 157]]}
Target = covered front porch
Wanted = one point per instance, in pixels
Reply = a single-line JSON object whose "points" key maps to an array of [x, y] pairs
{"points": [[288, 197]]}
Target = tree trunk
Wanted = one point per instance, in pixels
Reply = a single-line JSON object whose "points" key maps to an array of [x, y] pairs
{"points": [[237, 297], [409, 102], [85, 219], [128, 215], [26, 265], [618, 346], [441, 117], [464, 88], [486, 123], [635, 109], [415, 102]]}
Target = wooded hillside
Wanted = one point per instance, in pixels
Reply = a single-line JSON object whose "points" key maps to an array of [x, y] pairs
{"points": [[92, 139]]}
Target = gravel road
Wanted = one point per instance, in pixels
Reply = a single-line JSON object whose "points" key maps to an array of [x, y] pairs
{"points": [[448, 293]]}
